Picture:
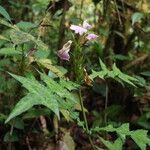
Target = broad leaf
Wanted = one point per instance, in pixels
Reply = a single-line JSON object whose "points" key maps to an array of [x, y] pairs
{"points": [[51, 94], [30, 100]]}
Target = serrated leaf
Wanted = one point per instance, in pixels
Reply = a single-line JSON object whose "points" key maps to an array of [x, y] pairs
{"points": [[51, 94], [117, 145], [57, 88], [66, 114], [19, 37], [4, 13], [39, 95], [100, 74], [140, 138], [31, 100], [115, 73], [68, 84], [122, 131], [103, 66], [48, 64]]}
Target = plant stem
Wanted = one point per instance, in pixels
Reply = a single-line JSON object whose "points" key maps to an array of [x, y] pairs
{"points": [[55, 123], [106, 104], [85, 119], [78, 64], [83, 112], [10, 134]]}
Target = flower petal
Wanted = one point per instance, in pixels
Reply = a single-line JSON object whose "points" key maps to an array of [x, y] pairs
{"points": [[78, 29], [64, 52], [64, 55], [91, 36], [86, 25]]}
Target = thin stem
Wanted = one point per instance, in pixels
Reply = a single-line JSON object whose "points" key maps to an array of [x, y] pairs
{"points": [[55, 123], [85, 119], [10, 134], [83, 112], [118, 12], [106, 104]]}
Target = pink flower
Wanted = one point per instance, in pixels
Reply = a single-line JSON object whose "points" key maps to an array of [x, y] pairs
{"points": [[91, 36], [78, 29], [86, 25], [64, 52]]}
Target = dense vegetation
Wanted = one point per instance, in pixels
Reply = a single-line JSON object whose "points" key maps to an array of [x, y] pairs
{"points": [[74, 74]]}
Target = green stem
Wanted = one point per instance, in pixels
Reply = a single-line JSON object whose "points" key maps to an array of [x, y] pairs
{"points": [[10, 134], [85, 119], [78, 64], [106, 104]]}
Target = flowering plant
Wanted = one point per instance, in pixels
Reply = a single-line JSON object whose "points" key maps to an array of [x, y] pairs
{"points": [[78, 58], [82, 31]]}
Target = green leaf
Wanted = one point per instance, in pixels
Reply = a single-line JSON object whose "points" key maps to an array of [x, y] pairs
{"points": [[11, 138], [140, 138], [9, 51], [4, 22], [19, 37], [31, 100], [103, 66], [120, 57], [122, 131], [4, 13], [36, 112], [100, 74], [3, 38], [136, 17], [115, 74], [117, 145], [48, 64], [58, 89], [39, 95], [25, 25], [19, 124], [51, 94], [146, 73], [2, 117], [68, 84]]}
